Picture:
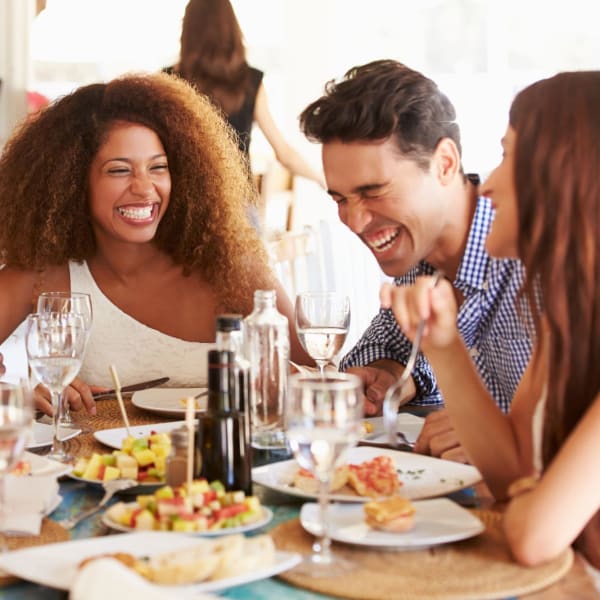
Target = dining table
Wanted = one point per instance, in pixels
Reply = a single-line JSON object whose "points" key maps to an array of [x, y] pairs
{"points": [[78, 496]]}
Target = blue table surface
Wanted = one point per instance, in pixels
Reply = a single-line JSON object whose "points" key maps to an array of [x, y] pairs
{"points": [[78, 496]]}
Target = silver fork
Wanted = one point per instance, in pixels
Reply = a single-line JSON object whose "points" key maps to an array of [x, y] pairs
{"points": [[391, 402], [110, 489]]}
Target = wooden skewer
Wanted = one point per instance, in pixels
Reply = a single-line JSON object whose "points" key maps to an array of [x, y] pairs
{"points": [[115, 378], [189, 421]]}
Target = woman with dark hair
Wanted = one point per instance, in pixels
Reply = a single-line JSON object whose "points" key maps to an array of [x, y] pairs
{"points": [[133, 191], [213, 59], [543, 454]]}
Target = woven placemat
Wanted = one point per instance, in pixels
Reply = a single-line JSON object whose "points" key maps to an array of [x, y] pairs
{"points": [[50, 533], [477, 569]]}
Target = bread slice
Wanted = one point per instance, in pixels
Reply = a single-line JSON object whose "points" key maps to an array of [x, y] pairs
{"points": [[395, 514]]}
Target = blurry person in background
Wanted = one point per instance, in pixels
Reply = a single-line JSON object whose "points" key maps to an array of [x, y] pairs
{"points": [[213, 59]]}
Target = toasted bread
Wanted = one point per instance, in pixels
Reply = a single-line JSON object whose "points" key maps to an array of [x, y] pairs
{"points": [[395, 514]]}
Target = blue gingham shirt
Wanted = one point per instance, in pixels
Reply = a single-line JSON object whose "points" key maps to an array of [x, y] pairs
{"points": [[499, 337]]}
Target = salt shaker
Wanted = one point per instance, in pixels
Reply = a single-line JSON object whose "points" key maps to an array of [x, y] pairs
{"points": [[177, 459]]}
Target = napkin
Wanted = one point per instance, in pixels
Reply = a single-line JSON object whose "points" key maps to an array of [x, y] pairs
{"points": [[108, 578], [27, 500]]}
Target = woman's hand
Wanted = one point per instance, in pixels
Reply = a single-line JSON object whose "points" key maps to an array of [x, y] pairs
{"points": [[422, 301], [78, 395]]}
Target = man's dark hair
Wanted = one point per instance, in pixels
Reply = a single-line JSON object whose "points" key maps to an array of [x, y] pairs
{"points": [[381, 99]]}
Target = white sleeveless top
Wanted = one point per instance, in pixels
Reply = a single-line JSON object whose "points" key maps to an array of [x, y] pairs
{"points": [[138, 351]]}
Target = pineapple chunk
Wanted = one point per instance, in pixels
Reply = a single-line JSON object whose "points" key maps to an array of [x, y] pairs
{"points": [[111, 473], [144, 457]]}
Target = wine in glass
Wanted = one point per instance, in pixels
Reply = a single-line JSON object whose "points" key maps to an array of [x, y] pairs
{"points": [[322, 321], [323, 420], [67, 302], [16, 416], [55, 343]]}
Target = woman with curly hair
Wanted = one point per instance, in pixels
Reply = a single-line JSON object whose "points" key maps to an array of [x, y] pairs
{"points": [[135, 192], [213, 59], [544, 453]]}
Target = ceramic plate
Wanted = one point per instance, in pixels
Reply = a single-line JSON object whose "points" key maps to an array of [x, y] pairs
{"points": [[409, 425], [266, 518], [55, 565], [422, 476], [114, 437], [42, 434], [167, 401], [44, 466], [437, 521]]}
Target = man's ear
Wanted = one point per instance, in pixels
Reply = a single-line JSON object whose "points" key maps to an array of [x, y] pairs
{"points": [[446, 161]]}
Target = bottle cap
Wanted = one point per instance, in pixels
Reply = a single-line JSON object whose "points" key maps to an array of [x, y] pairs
{"points": [[229, 322], [179, 437]]}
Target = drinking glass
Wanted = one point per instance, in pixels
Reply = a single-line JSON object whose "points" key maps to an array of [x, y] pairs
{"points": [[322, 321], [55, 343], [67, 302], [16, 416], [323, 420]]}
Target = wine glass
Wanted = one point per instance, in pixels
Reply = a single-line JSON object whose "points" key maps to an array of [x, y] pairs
{"points": [[67, 302], [55, 343], [16, 416], [322, 321], [323, 420]]}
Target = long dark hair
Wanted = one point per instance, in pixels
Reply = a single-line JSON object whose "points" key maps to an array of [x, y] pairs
{"points": [[213, 57], [557, 158]]}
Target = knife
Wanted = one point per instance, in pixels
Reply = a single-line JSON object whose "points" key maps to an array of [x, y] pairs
{"points": [[383, 446], [136, 387]]}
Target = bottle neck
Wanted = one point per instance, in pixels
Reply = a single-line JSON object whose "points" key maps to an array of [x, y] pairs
{"points": [[264, 299], [230, 340], [221, 381]]}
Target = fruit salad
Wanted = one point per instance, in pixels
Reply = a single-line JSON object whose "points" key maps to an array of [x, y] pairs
{"points": [[142, 459], [204, 507]]}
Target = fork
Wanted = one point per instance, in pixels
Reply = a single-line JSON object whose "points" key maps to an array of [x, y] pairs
{"points": [[110, 489], [391, 402]]}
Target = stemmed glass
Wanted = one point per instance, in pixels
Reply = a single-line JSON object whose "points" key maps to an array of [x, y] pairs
{"points": [[323, 420], [67, 302], [322, 321], [55, 343], [16, 416]]}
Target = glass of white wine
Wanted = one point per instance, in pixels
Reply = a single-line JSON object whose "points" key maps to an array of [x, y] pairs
{"points": [[323, 421], [16, 416], [67, 302], [322, 321], [55, 343]]}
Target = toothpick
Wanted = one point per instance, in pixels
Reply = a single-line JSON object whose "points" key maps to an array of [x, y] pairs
{"points": [[115, 378], [189, 421]]}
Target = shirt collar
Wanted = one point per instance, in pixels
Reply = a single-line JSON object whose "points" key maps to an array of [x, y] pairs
{"points": [[472, 271]]}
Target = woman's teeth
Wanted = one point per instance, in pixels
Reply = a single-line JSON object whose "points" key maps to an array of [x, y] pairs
{"points": [[143, 212], [382, 242]]}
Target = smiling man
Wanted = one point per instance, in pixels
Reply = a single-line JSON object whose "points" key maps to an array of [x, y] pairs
{"points": [[392, 159]]}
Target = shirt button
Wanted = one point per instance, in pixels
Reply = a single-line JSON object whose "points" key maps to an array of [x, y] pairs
{"points": [[473, 352], [485, 286]]}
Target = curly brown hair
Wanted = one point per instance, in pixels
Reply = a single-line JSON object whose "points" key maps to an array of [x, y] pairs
{"points": [[44, 173], [381, 99]]}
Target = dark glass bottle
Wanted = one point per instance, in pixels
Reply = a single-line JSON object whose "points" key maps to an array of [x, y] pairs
{"points": [[222, 448]]}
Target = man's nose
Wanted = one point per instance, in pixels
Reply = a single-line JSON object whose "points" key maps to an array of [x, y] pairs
{"points": [[356, 216]]}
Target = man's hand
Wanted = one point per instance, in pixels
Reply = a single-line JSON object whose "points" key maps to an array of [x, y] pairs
{"points": [[438, 438], [2, 367], [377, 378], [78, 395]]}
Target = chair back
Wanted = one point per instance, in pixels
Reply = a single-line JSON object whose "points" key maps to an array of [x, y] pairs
{"points": [[296, 259]]}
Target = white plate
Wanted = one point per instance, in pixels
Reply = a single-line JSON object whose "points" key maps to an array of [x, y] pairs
{"points": [[114, 437], [410, 425], [266, 518], [55, 565], [422, 476], [41, 465], [167, 401], [437, 521], [42, 434]]}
